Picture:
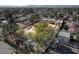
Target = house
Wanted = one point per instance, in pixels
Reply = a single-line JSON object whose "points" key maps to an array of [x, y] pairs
{"points": [[54, 23], [72, 29], [22, 18], [1, 31], [5, 48], [77, 27], [64, 36], [4, 22], [21, 25], [2, 18]]}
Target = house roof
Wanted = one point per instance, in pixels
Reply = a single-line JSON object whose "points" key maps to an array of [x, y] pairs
{"points": [[72, 29], [64, 34], [77, 23], [0, 30], [5, 48]]}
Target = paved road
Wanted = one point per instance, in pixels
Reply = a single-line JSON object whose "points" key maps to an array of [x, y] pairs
{"points": [[62, 49], [73, 49]]}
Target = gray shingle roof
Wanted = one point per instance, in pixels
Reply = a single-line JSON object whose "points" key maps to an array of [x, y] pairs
{"points": [[65, 34], [5, 48]]}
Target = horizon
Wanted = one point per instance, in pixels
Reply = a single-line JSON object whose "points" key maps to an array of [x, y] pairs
{"points": [[40, 6]]}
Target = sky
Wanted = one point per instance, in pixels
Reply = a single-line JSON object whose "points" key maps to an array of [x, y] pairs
{"points": [[38, 2]]}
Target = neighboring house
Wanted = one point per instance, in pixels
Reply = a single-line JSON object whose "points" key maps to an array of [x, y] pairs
{"points": [[22, 18], [2, 18], [4, 22], [0, 31], [5, 48], [17, 15], [77, 27], [21, 25], [1, 34], [63, 36], [73, 28]]}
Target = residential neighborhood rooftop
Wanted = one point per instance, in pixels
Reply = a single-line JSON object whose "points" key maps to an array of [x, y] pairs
{"points": [[5, 48]]}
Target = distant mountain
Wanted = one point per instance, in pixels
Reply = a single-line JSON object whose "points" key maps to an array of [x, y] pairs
{"points": [[40, 6], [53, 6]]}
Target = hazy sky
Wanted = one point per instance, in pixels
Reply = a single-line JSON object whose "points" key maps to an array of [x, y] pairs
{"points": [[38, 2]]}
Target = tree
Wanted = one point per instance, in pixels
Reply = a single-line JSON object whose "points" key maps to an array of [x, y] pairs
{"points": [[65, 27], [20, 31], [59, 15], [40, 27], [74, 17], [44, 33]]}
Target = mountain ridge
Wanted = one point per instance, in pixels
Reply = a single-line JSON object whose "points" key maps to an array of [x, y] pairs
{"points": [[40, 6]]}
